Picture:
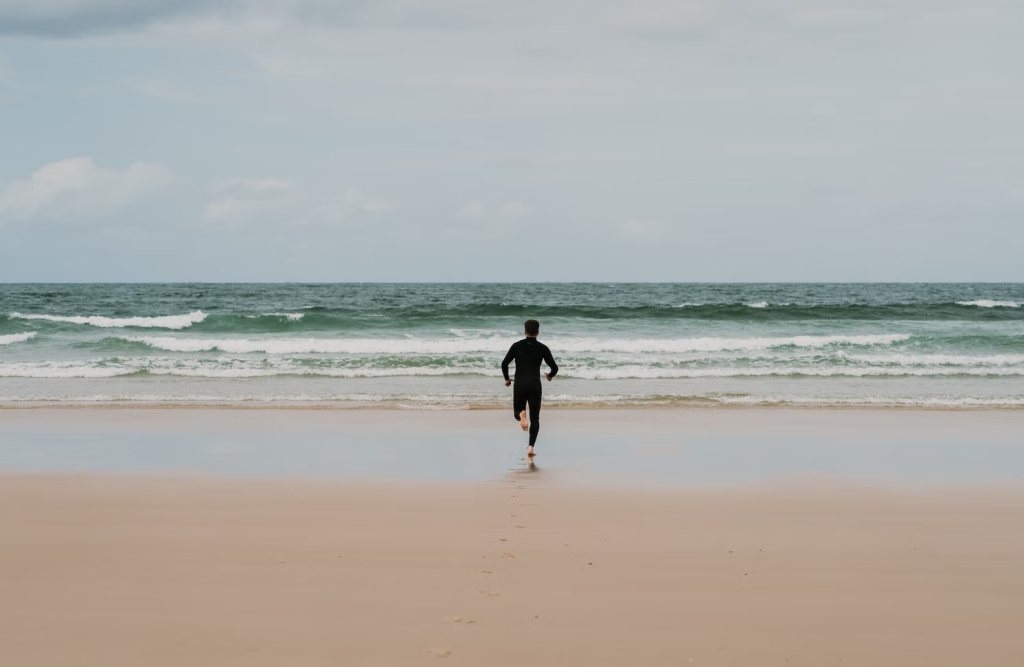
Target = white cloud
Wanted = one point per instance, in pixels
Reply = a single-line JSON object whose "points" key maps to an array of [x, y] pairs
{"points": [[245, 200], [249, 199], [349, 206], [73, 189], [78, 17], [475, 210], [640, 228]]}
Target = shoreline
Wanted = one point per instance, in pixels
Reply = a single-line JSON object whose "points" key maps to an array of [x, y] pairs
{"points": [[553, 406], [647, 448]]}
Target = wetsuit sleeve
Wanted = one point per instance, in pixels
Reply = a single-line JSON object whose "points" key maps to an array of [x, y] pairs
{"points": [[508, 358], [550, 361]]}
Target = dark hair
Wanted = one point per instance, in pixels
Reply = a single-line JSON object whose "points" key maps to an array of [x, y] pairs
{"points": [[532, 327]]}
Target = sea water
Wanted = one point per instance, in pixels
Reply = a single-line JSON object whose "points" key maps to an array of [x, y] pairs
{"points": [[439, 346]]}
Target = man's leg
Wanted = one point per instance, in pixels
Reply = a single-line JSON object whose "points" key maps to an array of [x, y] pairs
{"points": [[535, 397], [519, 405]]}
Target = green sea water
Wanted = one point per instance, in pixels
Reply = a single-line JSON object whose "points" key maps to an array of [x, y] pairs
{"points": [[439, 345]]}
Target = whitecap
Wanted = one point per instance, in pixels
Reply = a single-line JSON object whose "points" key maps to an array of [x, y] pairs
{"points": [[233, 369], [988, 303], [160, 322], [495, 344], [17, 338], [759, 304]]}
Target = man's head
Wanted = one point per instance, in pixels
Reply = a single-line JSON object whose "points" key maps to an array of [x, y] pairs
{"points": [[532, 328]]}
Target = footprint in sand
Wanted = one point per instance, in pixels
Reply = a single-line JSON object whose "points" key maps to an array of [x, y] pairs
{"points": [[460, 619], [508, 555], [520, 526], [490, 594], [485, 572], [439, 652]]}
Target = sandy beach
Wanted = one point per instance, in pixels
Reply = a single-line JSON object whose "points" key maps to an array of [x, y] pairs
{"points": [[525, 567], [169, 571]]}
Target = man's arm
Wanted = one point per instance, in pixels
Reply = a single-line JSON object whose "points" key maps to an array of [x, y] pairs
{"points": [[550, 361], [505, 362]]}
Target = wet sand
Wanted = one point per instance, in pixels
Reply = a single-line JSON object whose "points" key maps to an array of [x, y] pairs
{"points": [[722, 538], [139, 570], [622, 447]]}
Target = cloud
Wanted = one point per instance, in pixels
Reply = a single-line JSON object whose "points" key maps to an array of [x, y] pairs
{"points": [[646, 19], [247, 199], [72, 18], [352, 200], [76, 188], [475, 210], [640, 229], [244, 200]]}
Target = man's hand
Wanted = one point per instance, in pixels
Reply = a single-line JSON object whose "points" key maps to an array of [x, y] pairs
{"points": [[548, 376], [508, 383]]}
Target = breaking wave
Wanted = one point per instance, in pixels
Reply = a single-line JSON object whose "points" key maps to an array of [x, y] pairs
{"points": [[497, 344], [160, 322], [16, 338], [988, 303]]}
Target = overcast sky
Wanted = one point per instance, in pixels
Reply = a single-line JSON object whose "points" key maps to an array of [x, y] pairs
{"points": [[669, 140]]}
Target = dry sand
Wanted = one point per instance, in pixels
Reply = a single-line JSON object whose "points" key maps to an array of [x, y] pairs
{"points": [[137, 570]]}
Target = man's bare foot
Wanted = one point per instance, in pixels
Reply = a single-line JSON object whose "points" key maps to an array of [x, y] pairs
{"points": [[523, 422], [529, 451]]}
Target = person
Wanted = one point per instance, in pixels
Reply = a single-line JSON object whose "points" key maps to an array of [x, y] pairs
{"points": [[528, 353]]}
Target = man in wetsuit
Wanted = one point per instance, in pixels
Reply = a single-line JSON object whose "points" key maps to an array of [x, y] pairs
{"points": [[528, 353]]}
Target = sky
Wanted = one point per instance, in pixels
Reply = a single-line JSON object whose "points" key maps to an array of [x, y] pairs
{"points": [[475, 140]]}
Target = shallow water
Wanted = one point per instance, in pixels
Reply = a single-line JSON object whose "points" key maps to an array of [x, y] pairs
{"points": [[641, 447]]}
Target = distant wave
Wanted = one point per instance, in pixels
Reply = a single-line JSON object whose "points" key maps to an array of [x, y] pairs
{"points": [[162, 322], [988, 303], [752, 311], [495, 316], [447, 346], [16, 338], [291, 317]]}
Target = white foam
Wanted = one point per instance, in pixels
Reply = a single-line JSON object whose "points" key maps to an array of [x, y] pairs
{"points": [[937, 359], [909, 401], [70, 369], [162, 322], [759, 304], [268, 367], [496, 344], [17, 338], [988, 303], [653, 373], [440, 400], [291, 317]]}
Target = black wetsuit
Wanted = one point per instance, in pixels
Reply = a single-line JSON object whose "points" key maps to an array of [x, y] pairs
{"points": [[528, 354]]}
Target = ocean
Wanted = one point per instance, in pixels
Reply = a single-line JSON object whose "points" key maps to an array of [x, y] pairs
{"points": [[439, 346]]}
